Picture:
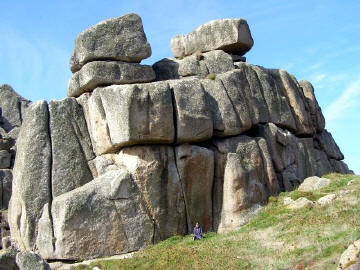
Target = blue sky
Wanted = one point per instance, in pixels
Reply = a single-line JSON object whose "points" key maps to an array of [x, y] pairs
{"points": [[314, 40]]}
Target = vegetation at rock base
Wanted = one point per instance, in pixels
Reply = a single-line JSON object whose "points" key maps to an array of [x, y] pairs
{"points": [[278, 238]]}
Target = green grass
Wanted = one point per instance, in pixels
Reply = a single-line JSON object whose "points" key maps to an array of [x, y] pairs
{"points": [[211, 76], [277, 238]]}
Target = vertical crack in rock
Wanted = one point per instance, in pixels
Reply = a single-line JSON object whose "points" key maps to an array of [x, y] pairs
{"points": [[50, 181], [232, 103], [183, 193], [174, 114], [20, 112]]}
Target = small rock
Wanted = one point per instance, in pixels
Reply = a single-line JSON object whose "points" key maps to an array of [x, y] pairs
{"points": [[355, 266], [350, 257], [27, 260], [301, 203], [96, 268], [344, 192], [350, 182], [313, 183], [6, 242], [288, 200], [326, 199], [299, 266]]}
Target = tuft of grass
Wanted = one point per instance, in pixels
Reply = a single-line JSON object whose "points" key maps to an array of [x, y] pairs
{"points": [[199, 55], [278, 238], [211, 76]]}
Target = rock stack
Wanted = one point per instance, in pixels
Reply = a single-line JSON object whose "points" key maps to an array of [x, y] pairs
{"points": [[109, 53], [126, 164]]}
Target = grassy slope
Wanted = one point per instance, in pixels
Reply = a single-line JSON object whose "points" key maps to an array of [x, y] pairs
{"points": [[276, 239]]}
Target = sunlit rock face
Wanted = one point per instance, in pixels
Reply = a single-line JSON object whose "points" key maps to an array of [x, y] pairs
{"points": [[137, 154]]}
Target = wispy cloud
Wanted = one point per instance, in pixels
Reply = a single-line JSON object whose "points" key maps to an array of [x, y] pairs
{"points": [[349, 98], [318, 78]]}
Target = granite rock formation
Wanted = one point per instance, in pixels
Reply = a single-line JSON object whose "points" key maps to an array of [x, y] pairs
{"points": [[137, 154]]}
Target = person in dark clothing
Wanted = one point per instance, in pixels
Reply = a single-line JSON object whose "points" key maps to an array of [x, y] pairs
{"points": [[197, 232]]}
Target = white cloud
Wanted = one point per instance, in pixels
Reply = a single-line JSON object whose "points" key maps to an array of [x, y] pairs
{"points": [[349, 98], [318, 78]]}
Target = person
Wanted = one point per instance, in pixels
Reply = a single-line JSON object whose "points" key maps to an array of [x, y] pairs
{"points": [[197, 232]]}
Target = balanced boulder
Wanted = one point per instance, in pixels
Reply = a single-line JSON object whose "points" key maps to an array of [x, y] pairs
{"points": [[230, 35], [119, 39]]}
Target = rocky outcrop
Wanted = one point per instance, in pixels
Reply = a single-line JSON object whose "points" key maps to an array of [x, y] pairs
{"points": [[130, 162]]}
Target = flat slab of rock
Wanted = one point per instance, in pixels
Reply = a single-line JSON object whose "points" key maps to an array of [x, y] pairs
{"points": [[313, 183], [102, 73], [230, 35], [121, 39]]}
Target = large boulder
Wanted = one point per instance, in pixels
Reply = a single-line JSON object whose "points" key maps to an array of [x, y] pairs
{"points": [[244, 177], [100, 73], [275, 98], [232, 83], [31, 188], [154, 170], [202, 64], [120, 39], [71, 146], [122, 115], [12, 107], [296, 100], [230, 35], [192, 113], [329, 145], [166, 69], [294, 158], [196, 170], [315, 111], [226, 121], [104, 217]]}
